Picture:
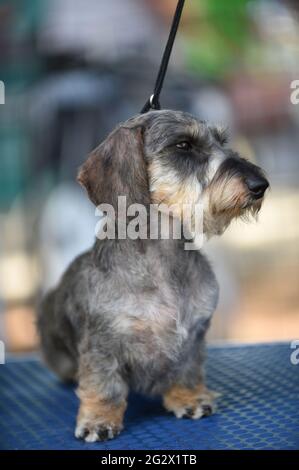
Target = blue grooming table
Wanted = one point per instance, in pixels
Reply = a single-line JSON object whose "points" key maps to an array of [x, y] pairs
{"points": [[258, 409]]}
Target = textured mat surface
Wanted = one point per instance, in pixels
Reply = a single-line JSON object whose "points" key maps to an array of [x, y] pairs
{"points": [[259, 407]]}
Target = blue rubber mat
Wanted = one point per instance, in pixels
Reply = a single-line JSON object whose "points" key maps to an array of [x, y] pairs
{"points": [[258, 409]]}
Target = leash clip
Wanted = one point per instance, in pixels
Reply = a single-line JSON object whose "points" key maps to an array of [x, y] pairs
{"points": [[153, 101]]}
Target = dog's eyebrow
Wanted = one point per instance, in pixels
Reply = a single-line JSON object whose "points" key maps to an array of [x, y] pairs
{"points": [[179, 137], [192, 133], [220, 134], [178, 131]]}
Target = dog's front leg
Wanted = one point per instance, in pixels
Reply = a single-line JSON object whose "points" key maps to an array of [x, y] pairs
{"points": [[102, 393], [189, 396]]}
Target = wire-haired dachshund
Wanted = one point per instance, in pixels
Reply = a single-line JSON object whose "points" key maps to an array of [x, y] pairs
{"points": [[132, 313]]}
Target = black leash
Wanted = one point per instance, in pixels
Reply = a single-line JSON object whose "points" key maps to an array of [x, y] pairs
{"points": [[153, 101]]}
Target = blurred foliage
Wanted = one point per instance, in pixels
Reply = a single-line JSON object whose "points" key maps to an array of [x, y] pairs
{"points": [[217, 35], [18, 24], [20, 67]]}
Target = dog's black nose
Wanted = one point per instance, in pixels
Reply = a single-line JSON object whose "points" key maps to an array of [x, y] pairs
{"points": [[257, 185]]}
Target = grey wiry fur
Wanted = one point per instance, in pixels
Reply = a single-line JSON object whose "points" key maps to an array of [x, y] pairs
{"points": [[133, 314]]}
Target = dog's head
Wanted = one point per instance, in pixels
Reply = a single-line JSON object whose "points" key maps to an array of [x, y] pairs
{"points": [[171, 158]]}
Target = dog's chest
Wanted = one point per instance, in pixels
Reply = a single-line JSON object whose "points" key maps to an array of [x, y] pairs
{"points": [[150, 325], [160, 300], [154, 324]]}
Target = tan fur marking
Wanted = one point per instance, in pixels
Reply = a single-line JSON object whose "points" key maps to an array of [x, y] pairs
{"points": [[181, 397], [225, 199], [166, 188], [97, 409], [193, 402], [227, 193]]}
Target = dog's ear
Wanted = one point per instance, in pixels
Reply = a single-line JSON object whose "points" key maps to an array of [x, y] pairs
{"points": [[117, 168]]}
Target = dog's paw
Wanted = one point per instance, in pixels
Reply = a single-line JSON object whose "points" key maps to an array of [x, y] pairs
{"points": [[92, 431], [197, 410], [190, 403], [98, 419]]}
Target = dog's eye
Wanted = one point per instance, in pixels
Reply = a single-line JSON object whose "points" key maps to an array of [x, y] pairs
{"points": [[184, 145]]}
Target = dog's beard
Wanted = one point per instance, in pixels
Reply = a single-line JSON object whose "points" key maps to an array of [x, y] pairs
{"points": [[227, 199]]}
